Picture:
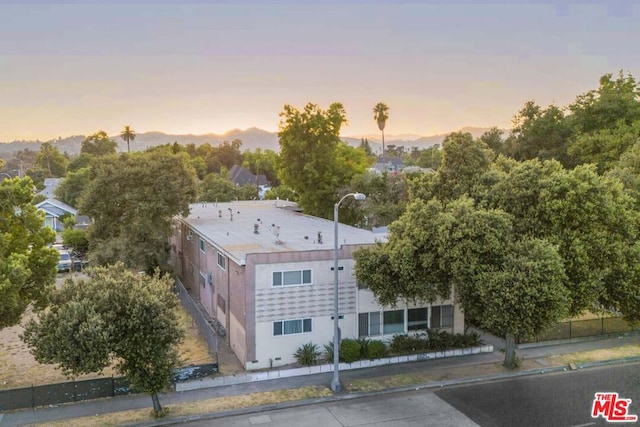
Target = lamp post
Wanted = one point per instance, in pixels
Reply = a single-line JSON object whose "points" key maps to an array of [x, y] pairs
{"points": [[335, 381]]}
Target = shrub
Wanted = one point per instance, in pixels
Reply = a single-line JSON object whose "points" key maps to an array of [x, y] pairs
{"points": [[364, 347], [407, 344], [438, 340], [377, 350], [349, 350], [328, 352], [307, 355]]}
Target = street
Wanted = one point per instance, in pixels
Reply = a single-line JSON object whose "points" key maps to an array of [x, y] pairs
{"points": [[561, 399]]}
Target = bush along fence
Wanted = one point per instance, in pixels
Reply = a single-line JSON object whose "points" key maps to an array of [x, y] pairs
{"points": [[76, 391], [413, 348], [583, 328]]}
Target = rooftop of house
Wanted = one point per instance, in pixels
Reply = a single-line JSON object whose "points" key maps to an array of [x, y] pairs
{"points": [[264, 226], [56, 207]]}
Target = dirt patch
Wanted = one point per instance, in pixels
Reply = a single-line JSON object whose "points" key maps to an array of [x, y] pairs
{"points": [[18, 367]]}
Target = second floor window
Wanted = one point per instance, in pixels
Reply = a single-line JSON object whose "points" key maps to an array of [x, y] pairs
{"points": [[291, 278]]}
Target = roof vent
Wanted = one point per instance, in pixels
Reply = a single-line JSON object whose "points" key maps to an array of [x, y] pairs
{"points": [[319, 237], [256, 228]]}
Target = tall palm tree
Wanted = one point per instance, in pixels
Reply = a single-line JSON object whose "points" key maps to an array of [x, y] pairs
{"points": [[380, 115], [128, 134]]}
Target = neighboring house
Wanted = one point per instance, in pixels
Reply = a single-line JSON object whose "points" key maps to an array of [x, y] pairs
{"points": [[264, 271], [50, 185], [242, 176], [54, 210], [389, 164]]}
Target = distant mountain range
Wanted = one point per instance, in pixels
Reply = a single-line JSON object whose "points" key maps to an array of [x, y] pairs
{"points": [[251, 138]]}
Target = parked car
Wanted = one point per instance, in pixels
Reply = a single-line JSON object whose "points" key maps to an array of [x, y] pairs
{"points": [[64, 262]]}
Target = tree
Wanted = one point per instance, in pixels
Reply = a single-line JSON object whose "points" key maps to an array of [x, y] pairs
{"points": [[218, 188], [380, 115], [132, 200], [493, 139], [588, 217], [615, 101], [309, 162], [27, 264], [128, 134], [52, 160], [604, 147], [464, 161], [262, 162], [72, 186], [539, 133], [364, 144], [113, 316], [433, 248], [386, 199], [98, 144]]}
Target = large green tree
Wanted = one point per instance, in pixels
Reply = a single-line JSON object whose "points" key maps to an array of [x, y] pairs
{"points": [[540, 133], [27, 264], [72, 186], [98, 144], [313, 161], [131, 199], [589, 218], [434, 248], [52, 160], [114, 316]]}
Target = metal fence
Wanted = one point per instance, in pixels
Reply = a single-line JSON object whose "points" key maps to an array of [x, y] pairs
{"points": [[584, 328], [55, 394], [203, 322]]}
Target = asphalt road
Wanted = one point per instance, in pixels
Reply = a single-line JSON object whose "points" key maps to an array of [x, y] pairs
{"points": [[562, 399], [556, 400]]}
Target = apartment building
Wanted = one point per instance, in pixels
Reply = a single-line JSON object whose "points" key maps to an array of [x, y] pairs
{"points": [[264, 270]]}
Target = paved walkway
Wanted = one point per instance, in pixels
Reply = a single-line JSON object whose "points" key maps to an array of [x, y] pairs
{"points": [[102, 406]]}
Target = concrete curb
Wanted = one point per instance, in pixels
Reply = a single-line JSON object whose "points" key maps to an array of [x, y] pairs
{"points": [[358, 395]]}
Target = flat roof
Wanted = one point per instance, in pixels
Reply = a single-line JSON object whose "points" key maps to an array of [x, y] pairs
{"points": [[231, 226]]}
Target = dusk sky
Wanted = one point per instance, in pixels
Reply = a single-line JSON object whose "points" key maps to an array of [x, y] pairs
{"points": [[76, 67]]}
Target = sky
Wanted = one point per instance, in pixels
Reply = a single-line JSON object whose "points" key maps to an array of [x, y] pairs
{"points": [[195, 66]]}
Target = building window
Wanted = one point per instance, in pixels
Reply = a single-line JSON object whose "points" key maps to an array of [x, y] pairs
{"points": [[369, 324], [203, 245], [222, 261], [417, 319], [290, 327], [393, 322], [441, 316], [292, 278]]}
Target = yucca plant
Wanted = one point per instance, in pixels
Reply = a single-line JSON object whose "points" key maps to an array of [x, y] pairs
{"points": [[307, 354]]}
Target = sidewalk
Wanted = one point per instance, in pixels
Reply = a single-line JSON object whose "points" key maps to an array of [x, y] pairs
{"points": [[448, 365]]}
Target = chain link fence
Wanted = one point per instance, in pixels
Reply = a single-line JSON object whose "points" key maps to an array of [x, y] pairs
{"points": [[584, 328]]}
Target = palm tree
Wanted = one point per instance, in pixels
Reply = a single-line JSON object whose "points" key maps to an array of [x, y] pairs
{"points": [[128, 134], [380, 115]]}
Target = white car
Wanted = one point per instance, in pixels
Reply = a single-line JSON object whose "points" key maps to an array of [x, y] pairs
{"points": [[64, 262]]}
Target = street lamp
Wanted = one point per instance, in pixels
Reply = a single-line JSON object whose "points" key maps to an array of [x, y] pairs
{"points": [[335, 381]]}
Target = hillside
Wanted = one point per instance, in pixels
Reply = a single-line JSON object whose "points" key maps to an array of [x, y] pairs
{"points": [[251, 138]]}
